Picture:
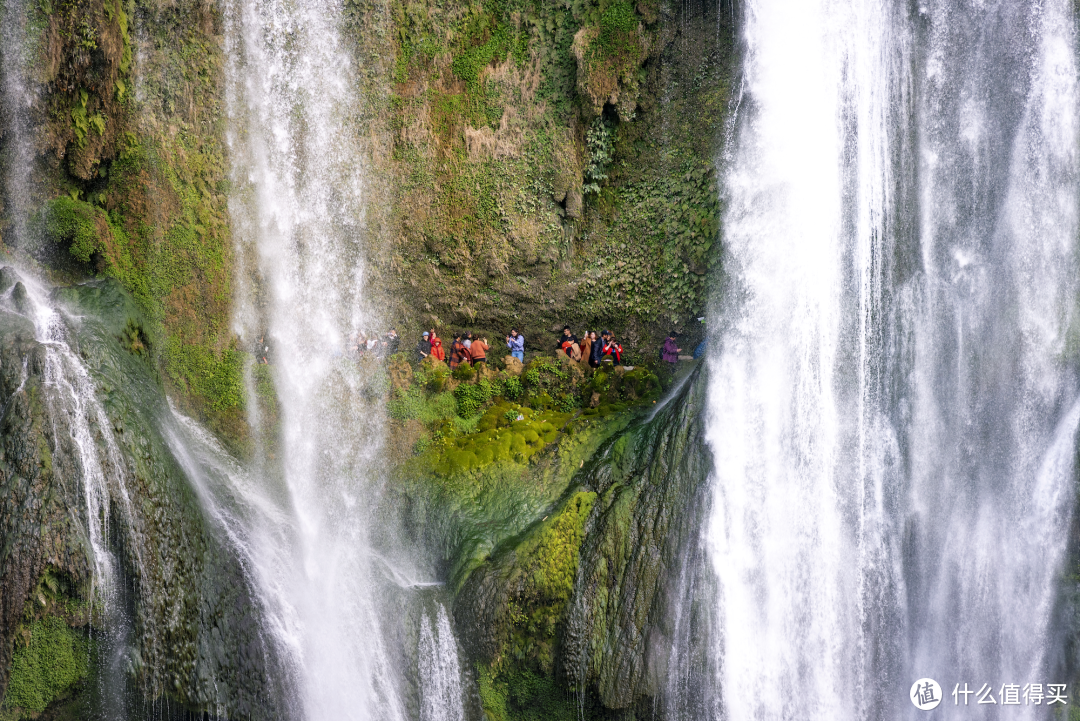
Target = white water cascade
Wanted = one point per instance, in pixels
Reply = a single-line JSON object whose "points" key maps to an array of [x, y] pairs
{"points": [[101, 475], [440, 670], [298, 206], [894, 399]]}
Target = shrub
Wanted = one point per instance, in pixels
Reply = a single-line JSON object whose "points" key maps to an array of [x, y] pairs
{"points": [[464, 373], [470, 398], [512, 388]]}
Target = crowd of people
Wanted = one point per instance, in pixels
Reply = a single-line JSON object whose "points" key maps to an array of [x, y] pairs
{"points": [[465, 349], [361, 343], [598, 350]]}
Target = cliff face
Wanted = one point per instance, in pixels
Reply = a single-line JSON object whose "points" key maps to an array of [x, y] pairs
{"points": [[587, 598], [532, 164], [553, 163], [170, 594], [116, 167]]}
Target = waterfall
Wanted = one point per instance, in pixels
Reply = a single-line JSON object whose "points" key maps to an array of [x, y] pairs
{"points": [[296, 138], [102, 477], [893, 404], [14, 111], [440, 671], [100, 471]]}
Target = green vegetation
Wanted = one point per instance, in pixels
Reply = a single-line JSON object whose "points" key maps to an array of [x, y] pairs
{"points": [[660, 249], [599, 141], [141, 196], [503, 418], [50, 658], [518, 682], [75, 224]]}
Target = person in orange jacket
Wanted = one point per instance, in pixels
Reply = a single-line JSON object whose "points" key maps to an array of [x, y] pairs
{"points": [[436, 347], [478, 350]]}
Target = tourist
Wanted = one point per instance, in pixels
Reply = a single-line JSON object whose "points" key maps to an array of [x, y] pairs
{"points": [[391, 341], [372, 343], [671, 351], [423, 347], [478, 350], [262, 351], [437, 350], [567, 340], [613, 349], [466, 338], [586, 346], [597, 353], [458, 353], [516, 343], [574, 352]]}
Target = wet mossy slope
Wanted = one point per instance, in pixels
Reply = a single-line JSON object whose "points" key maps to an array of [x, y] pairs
{"points": [[183, 597], [564, 567]]}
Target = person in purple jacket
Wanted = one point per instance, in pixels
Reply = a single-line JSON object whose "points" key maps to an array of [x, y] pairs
{"points": [[671, 351], [516, 343]]}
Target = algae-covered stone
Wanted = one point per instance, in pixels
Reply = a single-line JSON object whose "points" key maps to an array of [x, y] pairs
{"points": [[46, 665], [193, 639], [580, 600]]}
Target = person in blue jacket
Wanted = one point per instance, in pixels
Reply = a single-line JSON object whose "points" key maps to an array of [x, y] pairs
{"points": [[516, 343]]}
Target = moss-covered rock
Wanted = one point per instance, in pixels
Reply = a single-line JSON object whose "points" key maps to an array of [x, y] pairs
{"points": [[50, 659], [193, 634], [578, 603]]}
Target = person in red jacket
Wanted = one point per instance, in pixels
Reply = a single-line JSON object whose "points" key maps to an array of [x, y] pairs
{"points": [[436, 347], [613, 349], [458, 353]]}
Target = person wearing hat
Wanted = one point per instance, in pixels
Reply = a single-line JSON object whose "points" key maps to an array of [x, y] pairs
{"points": [[423, 347]]}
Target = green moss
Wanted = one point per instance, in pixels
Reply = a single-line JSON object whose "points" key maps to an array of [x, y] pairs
{"points": [[493, 694], [179, 270], [414, 404], [519, 682], [499, 438], [521, 694], [556, 556], [72, 223], [204, 373], [50, 661]]}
